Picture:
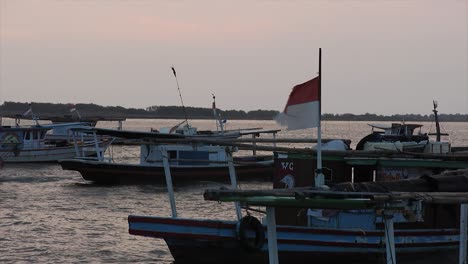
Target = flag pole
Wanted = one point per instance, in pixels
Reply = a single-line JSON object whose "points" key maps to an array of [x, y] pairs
{"points": [[319, 177]]}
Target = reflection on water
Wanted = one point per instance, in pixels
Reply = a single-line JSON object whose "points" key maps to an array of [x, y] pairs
{"points": [[50, 215]]}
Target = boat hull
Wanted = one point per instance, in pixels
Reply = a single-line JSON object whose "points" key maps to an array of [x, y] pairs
{"points": [[112, 173], [213, 241]]}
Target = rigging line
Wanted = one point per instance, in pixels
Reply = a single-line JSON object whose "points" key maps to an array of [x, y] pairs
{"points": [[180, 95]]}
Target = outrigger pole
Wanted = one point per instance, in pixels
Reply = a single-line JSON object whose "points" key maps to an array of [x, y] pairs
{"points": [[180, 95], [319, 177]]}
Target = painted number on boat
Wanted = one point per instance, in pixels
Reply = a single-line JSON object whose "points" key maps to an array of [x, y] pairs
{"points": [[287, 165]]}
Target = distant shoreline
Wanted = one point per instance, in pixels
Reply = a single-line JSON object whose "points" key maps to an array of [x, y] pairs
{"points": [[45, 110]]}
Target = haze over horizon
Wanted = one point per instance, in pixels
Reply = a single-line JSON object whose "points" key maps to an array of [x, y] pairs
{"points": [[380, 57]]}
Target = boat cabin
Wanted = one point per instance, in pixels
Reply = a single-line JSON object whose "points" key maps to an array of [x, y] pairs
{"points": [[183, 155], [398, 137], [396, 129], [22, 138]]}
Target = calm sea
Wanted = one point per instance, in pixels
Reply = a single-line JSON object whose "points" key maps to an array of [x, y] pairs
{"points": [[54, 216]]}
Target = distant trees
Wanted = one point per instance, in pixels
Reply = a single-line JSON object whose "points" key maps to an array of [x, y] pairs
{"points": [[177, 112]]}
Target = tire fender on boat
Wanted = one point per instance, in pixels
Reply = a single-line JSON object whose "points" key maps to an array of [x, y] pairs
{"points": [[247, 223]]}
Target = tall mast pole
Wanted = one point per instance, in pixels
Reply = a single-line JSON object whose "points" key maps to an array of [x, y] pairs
{"points": [[319, 177], [180, 95]]}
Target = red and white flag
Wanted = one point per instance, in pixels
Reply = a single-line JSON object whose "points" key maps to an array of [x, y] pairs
{"points": [[303, 107]]}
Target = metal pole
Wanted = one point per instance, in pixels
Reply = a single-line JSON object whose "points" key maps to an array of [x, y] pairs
{"points": [[463, 234], [254, 152], [233, 177], [180, 95], [75, 144], [96, 145], [170, 189], [274, 139], [319, 177], [271, 235], [389, 239]]}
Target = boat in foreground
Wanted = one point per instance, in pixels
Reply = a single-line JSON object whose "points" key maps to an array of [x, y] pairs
{"points": [[352, 229]]}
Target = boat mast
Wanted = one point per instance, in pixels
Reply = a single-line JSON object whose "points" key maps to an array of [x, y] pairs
{"points": [[180, 95], [436, 121], [319, 177], [219, 122]]}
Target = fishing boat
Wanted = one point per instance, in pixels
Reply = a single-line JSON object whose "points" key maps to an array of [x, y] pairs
{"points": [[402, 137], [30, 144], [411, 219], [188, 161], [322, 228]]}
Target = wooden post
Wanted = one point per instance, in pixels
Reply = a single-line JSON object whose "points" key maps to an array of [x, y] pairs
{"points": [[271, 235], [233, 177], [463, 234], [170, 189], [254, 151]]}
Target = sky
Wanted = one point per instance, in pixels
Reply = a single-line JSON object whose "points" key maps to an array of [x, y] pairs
{"points": [[381, 57]]}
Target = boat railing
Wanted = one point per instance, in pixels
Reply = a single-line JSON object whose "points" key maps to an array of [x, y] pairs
{"points": [[206, 161]]}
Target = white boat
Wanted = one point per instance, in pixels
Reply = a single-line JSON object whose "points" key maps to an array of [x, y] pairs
{"points": [[401, 137], [30, 144]]}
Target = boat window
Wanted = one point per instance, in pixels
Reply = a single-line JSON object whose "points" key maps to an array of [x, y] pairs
{"points": [[34, 135], [27, 135], [172, 154]]}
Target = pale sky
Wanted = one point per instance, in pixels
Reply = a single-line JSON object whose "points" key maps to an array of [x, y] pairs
{"points": [[382, 57]]}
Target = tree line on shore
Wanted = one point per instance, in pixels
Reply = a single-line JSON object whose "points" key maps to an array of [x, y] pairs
{"points": [[10, 109]]}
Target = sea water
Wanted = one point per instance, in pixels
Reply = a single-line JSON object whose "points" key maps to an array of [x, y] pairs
{"points": [[48, 215]]}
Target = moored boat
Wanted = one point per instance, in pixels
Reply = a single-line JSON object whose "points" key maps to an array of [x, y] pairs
{"points": [[352, 230], [30, 144], [188, 161], [327, 226]]}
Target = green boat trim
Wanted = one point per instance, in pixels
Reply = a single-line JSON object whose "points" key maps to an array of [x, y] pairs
{"points": [[407, 163], [318, 203]]}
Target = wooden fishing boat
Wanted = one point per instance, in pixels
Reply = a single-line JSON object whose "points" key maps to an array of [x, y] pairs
{"points": [[351, 230], [403, 137], [407, 217], [30, 144], [188, 162]]}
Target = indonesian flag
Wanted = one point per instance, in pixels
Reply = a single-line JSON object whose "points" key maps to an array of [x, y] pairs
{"points": [[303, 107]]}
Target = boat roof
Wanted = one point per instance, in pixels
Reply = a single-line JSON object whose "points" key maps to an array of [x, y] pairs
{"points": [[23, 128], [68, 118], [128, 134], [52, 126], [394, 125], [132, 134]]}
